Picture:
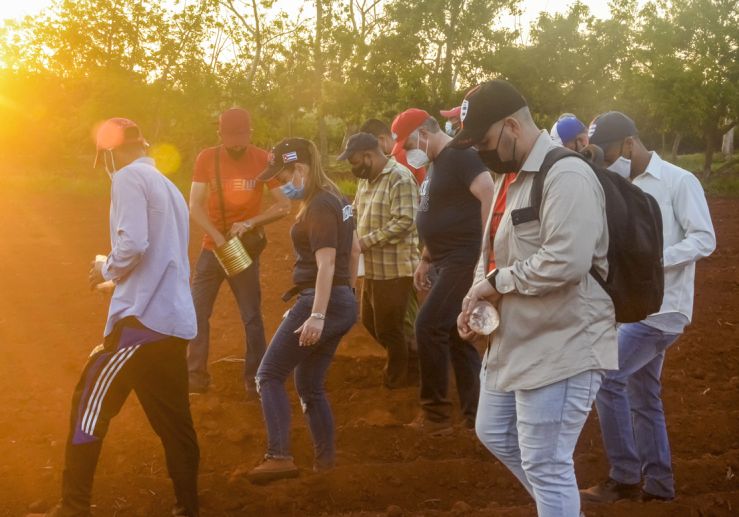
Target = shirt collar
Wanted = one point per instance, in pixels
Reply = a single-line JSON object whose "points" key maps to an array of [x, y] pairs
{"points": [[655, 166], [538, 152], [389, 166], [148, 160]]}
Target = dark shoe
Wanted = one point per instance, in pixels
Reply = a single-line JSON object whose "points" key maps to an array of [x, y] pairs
{"points": [[646, 497], [272, 469], [610, 491], [431, 427]]}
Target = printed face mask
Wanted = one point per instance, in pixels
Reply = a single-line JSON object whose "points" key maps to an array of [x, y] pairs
{"points": [[449, 128], [417, 158]]}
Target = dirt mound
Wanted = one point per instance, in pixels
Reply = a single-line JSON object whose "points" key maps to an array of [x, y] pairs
{"points": [[49, 321]]}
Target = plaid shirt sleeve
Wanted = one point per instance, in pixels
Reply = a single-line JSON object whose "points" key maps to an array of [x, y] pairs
{"points": [[403, 196]]}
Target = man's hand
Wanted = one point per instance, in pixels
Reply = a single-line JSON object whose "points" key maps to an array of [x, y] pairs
{"points": [[239, 228], [465, 332], [95, 276], [421, 277], [482, 290]]}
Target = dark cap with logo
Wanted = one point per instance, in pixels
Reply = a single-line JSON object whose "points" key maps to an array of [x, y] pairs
{"points": [[611, 127], [358, 143], [288, 151], [483, 106]]}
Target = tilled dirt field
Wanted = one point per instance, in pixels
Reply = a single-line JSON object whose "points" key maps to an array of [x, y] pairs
{"points": [[49, 322]]}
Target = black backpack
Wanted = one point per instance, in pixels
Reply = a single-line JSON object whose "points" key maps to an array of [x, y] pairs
{"points": [[636, 279]]}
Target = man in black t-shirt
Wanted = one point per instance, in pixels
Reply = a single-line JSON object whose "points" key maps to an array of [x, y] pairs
{"points": [[456, 197]]}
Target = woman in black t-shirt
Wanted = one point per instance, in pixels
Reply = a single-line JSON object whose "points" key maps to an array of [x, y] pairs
{"points": [[327, 253]]}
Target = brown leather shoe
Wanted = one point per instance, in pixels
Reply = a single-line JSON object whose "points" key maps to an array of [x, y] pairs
{"points": [[610, 491], [272, 469], [431, 427]]}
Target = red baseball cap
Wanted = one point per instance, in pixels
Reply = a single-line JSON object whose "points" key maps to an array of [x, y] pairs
{"points": [[234, 126], [114, 133], [405, 124], [452, 113]]}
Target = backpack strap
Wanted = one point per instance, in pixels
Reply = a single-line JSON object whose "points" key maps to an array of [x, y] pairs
{"points": [[552, 157], [219, 189]]}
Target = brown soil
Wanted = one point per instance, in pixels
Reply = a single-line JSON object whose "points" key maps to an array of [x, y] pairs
{"points": [[49, 321]]}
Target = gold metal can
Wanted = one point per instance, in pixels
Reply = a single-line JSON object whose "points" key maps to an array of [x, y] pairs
{"points": [[232, 257]]}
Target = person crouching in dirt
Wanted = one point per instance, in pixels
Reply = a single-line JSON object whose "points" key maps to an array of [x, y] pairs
{"points": [[324, 275], [150, 320]]}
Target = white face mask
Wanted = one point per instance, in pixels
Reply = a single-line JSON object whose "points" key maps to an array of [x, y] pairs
{"points": [[449, 128], [110, 168], [417, 158], [622, 167]]}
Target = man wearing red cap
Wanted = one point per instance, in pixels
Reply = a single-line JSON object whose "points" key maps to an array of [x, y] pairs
{"points": [[455, 199], [453, 120], [225, 201], [150, 319]]}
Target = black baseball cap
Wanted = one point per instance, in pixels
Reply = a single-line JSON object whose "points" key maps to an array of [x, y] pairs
{"points": [[610, 127], [358, 143], [289, 150], [483, 106]]}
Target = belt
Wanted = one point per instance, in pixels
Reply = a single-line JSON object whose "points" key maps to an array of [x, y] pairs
{"points": [[298, 288]]}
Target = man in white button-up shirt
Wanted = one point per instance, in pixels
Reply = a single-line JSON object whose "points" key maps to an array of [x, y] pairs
{"points": [[631, 415]]}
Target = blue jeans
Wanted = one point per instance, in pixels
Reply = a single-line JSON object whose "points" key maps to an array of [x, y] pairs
{"points": [[534, 433], [439, 343], [209, 276], [632, 419], [310, 364]]}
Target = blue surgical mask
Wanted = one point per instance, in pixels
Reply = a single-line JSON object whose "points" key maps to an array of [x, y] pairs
{"points": [[293, 192]]}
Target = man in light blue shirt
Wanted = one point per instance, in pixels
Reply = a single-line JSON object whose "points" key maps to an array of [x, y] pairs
{"points": [[150, 320], [632, 418]]}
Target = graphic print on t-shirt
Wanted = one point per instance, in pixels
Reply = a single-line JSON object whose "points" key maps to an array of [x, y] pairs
{"points": [[423, 191]]}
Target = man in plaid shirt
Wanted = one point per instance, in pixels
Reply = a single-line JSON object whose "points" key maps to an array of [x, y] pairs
{"points": [[385, 205]]}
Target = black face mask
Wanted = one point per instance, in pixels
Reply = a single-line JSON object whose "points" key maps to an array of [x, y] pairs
{"points": [[362, 171], [492, 159], [236, 152]]}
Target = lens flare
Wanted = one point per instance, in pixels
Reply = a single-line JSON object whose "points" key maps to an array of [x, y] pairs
{"points": [[167, 158]]}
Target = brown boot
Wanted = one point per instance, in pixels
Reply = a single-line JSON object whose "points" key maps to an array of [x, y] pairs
{"points": [[272, 469], [610, 491]]}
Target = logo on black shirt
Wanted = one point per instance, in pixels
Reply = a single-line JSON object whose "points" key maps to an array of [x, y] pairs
{"points": [[346, 213]]}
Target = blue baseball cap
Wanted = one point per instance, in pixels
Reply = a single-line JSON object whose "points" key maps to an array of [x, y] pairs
{"points": [[568, 128]]}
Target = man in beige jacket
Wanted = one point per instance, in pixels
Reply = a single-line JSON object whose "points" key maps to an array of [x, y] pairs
{"points": [[545, 363]]}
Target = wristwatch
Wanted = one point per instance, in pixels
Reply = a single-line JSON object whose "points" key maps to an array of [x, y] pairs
{"points": [[491, 278], [318, 315]]}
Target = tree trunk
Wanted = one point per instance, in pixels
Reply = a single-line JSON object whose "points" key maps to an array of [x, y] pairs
{"points": [[318, 59], [727, 145], [675, 146], [708, 156]]}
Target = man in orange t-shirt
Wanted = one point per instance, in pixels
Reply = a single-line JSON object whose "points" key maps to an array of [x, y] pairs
{"points": [[238, 164]]}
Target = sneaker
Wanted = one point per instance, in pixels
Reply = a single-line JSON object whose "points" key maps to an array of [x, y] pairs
{"points": [[610, 491], [646, 497], [272, 469], [431, 427]]}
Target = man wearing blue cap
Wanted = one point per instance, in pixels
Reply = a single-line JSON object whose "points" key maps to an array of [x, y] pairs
{"points": [[629, 404], [569, 132], [385, 205]]}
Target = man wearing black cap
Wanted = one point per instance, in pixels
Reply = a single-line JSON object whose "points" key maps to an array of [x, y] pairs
{"points": [[385, 206], [629, 404], [557, 329]]}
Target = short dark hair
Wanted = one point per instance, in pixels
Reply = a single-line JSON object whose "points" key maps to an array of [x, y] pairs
{"points": [[375, 127]]}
